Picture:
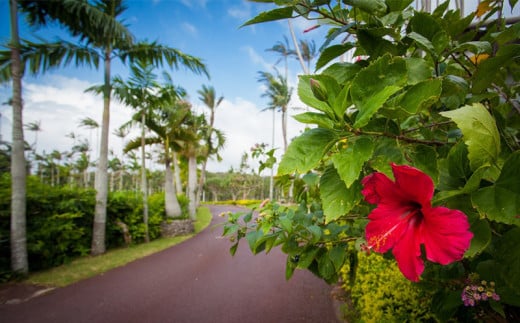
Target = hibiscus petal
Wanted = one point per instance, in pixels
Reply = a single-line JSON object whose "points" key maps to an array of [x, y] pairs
{"points": [[446, 234], [414, 185], [387, 225], [407, 253], [377, 187]]}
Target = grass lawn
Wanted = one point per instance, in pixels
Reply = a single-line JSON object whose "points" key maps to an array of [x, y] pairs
{"points": [[88, 266]]}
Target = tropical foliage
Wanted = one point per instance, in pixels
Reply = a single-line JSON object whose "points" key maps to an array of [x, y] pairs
{"points": [[436, 92]]}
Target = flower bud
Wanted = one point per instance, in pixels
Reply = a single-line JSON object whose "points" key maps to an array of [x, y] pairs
{"points": [[319, 91]]}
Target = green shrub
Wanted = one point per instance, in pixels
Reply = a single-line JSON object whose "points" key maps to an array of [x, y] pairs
{"points": [[380, 293], [60, 219]]}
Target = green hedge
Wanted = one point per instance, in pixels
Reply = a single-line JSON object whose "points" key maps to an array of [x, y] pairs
{"points": [[59, 221], [380, 293]]}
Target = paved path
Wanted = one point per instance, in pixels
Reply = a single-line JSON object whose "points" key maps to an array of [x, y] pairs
{"points": [[196, 281]]}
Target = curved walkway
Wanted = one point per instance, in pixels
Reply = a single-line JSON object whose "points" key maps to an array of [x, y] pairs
{"points": [[195, 281]]}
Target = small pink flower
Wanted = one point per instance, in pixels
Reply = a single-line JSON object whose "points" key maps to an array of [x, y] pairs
{"points": [[404, 220]]}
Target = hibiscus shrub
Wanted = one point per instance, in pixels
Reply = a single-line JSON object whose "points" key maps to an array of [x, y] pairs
{"points": [[416, 150]]}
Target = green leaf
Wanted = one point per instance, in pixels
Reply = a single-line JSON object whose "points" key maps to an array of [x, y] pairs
{"points": [[421, 96], [331, 53], [337, 256], [488, 69], [326, 267], [306, 151], [507, 257], [418, 70], [349, 162], [286, 223], [252, 238], [398, 5], [289, 268], [319, 119], [316, 233], [426, 25], [233, 249], [472, 184], [373, 42], [307, 257], [425, 158], [479, 131], [476, 47], [373, 7], [454, 90], [307, 96], [501, 201], [375, 84], [481, 238], [341, 103], [423, 43], [343, 72], [275, 14], [336, 197]]}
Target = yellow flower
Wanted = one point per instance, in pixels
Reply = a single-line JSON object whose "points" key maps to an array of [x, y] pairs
{"points": [[484, 7]]}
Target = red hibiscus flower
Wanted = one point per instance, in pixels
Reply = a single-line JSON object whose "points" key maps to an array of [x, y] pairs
{"points": [[404, 220]]}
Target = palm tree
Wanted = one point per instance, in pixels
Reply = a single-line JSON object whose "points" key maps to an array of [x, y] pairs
{"points": [[83, 163], [193, 128], [35, 127], [284, 50], [308, 53], [166, 125], [279, 95], [121, 132], [139, 93], [19, 262], [39, 57], [107, 38], [90, 124], [208, 97]]}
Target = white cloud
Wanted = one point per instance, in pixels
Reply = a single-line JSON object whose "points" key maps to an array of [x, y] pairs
{"points": [[195, 3], [257, 59], [59, 105], [189, 28], [242, 12], [245, 125]]}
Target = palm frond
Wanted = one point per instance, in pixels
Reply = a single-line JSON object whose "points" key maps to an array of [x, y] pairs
{"points": [[156, 54], [43, 56]]}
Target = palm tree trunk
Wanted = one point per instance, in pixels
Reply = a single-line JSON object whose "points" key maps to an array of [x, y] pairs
{"points": [[19, 262], [101, 180], [172, 206], [176, 173], [271, 177], [297, 47], [121, 174], [192, 186], [144, 184], [284, 128]]}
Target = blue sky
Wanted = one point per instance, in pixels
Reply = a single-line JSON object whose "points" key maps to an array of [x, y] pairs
{"points": [[209, 29]]}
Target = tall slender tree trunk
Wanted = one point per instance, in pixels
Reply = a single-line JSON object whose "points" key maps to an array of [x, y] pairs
{"points": [[144, 182], [176, 173], [172, 206], [192, 186], [19, 262], [271, 177], [297, 47], [101, 180]]}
